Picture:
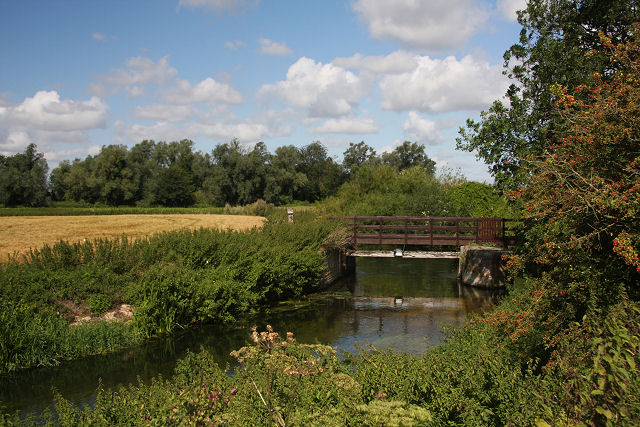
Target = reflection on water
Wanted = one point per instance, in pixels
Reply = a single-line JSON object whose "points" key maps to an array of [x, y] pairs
{"points": [[389, 302]]}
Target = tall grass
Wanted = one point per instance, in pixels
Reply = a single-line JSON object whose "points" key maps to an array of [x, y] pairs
{"points": [[173, 279]]}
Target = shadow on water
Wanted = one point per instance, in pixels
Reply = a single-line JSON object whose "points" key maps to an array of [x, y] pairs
{"points": [[397, 303]]}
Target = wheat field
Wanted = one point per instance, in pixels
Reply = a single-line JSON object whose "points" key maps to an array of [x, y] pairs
{"points": [[18, 234]]}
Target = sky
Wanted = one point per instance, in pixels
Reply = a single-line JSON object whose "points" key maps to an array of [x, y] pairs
{"points": [[78, 75]]}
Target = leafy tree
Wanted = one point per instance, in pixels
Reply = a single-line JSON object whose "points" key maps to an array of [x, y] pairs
{"points": [[23, 178], [357, 155], [581, 208], [284, 179], [324, 176], [554, 40], [113, 176], [141, 169], [173, 187], [59, 181], [409, 154]]}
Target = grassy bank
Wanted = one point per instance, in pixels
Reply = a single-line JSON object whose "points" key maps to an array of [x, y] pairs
{"points": [[477, 377], [173, 279]]}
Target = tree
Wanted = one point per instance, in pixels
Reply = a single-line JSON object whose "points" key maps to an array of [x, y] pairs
{"points": [[284, 180], [324, 176], [357, 155], [555, 36], [23, 178], [173, 187], [409, 154], [583, 198]]}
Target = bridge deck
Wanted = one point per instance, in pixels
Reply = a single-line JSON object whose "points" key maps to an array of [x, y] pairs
{"points": [[405, 254]]}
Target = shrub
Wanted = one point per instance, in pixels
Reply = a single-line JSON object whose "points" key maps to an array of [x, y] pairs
{"points": [[99, 304]]}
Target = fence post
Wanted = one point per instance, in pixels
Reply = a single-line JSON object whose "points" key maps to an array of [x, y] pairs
{"points": [[431, 230], [380, 231], [355, 231], [405, 230]]}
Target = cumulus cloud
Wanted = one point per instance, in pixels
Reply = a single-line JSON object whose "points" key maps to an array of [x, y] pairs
{"points": [[421, 130], [162, 113], [136, 72], [508, 8], [207, 91], [244, 132], [45, 111], [216, 123], [396, 62], [269, 47], [45, 119], [440, 85], [352, 125], [160, 131], [231, 6], [323, 90], [235, 44], [433, 25]]}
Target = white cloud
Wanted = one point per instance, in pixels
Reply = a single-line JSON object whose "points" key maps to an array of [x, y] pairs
{"points": [[14, 142], [421, 130], [98, 36], [162, 131], [56, 156], [207, 91], [508, 8], [134, 92], [269, 47], [46, 120], [244, 132], [353, 125], [45, 111], [440, 85], [162, 113], [396, 62], [137, 72], [235, 44], [433, 25], [217, 123], [324, 90], [231, 6]]}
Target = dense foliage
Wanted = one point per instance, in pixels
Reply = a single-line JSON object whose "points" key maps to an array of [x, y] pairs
{"points": [[414, 191], [173, 279], [173, 174], [23, 178], [554, 39]]}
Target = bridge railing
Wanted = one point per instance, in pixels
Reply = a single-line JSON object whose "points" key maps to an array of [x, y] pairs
{"points": [[427, 231]]}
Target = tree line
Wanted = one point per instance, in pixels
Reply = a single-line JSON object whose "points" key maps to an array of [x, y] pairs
{"points": [[175, 174]]}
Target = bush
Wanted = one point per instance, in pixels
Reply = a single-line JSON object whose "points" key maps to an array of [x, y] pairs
{"points": [[99, 304]]}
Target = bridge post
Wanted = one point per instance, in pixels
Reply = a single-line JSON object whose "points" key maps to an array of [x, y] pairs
{"points": [[337, 265], [482, 266]]}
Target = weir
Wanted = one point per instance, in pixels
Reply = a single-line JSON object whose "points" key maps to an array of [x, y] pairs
{"points": [[479, 265]]}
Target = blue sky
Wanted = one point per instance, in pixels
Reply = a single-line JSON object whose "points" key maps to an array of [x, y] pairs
{"points": [[77, 75]]}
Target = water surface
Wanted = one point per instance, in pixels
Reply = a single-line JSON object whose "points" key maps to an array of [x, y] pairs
{"points": [[389, 302]]}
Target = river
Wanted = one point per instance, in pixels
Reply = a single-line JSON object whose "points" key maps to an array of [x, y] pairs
{"points": [[389, 302]]}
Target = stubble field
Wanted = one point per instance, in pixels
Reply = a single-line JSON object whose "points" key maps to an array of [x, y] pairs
{"points": [[18, 234]]}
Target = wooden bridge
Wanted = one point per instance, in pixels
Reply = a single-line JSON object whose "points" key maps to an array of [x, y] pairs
{"points": [[428, 231]]}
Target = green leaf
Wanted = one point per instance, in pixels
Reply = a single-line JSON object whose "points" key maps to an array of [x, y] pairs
{"points": [[607, 413]]}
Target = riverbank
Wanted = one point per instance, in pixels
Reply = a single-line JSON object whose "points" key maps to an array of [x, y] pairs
{"points": [[172, 279]]}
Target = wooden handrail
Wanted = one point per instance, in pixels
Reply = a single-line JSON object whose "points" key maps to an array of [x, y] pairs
{"points": [[399, 230]]}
